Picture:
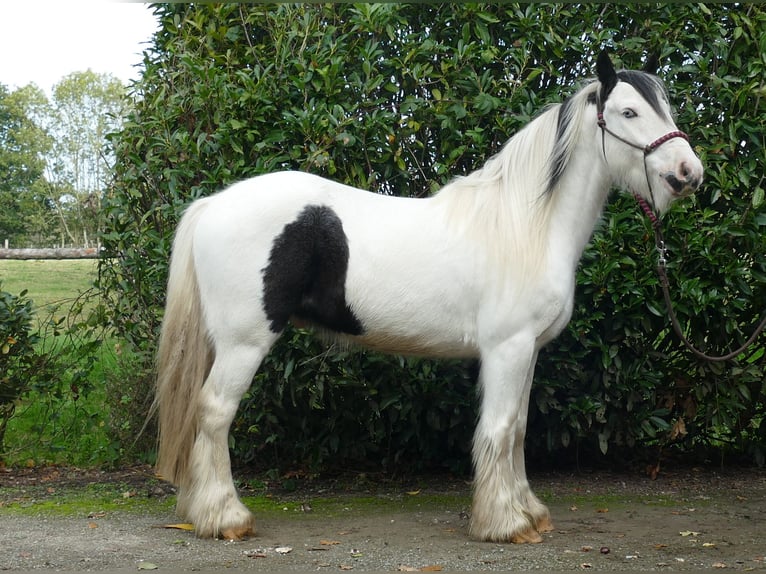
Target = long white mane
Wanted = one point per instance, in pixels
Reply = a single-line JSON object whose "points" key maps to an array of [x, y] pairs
{"points": [[505, 204]]}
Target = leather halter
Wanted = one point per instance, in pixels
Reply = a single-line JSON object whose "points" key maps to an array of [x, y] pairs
{"points": [[646, 149]]}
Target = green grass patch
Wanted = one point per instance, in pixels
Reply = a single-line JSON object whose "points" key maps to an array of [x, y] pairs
{"points": [[50, 283], [337, 506], [81, 501], [63, 419], [112, 497], [63, 426]]}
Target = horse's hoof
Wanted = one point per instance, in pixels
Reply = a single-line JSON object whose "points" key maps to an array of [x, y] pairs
{"points": [[544, 524], [240, 532], [530, 536]]}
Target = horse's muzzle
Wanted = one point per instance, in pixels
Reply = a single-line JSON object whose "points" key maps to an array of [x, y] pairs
{"points": [[688, 184]]}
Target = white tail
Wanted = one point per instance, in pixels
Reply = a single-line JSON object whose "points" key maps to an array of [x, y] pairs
{"points": [[184, 357]]}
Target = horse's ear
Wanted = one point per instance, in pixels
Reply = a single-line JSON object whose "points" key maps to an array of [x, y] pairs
{"points": [[606, 74], [652, 64]]}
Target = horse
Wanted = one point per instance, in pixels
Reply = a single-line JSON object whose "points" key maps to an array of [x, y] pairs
{"points": [[484, 268]]}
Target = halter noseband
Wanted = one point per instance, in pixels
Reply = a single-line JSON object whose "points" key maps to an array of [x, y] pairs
{"points": [[646, 149]]}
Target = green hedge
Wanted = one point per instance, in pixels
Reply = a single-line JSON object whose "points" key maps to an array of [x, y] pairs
{"points": [[399, 98]]}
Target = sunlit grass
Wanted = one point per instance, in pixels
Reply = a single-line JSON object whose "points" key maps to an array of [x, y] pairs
{"points": [[62, 422], [49, 283]]}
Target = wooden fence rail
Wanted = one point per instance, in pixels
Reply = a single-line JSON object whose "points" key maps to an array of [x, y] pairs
{"points": [[61, 253]]}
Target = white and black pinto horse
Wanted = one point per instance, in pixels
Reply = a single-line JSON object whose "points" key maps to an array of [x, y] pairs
{"points": [[484, 268]]}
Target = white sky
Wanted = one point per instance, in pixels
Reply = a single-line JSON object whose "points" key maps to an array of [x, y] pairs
{"points": [[43, 41]]}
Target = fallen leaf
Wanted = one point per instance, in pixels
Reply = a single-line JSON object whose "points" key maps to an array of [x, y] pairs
{"points": [[181, 526], [719, 565], [346, 567], [678, 430], [602, 510], [414, 492], [329, 542], [660, 546], [147, 566], [708, 544], [586, 565], [573, 508], [689, 533], [431, 568], [403, 568], [92, 525], [283, 549]]}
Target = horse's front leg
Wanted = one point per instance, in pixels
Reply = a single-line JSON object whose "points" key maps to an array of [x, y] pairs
{"points": [[504, 507]]}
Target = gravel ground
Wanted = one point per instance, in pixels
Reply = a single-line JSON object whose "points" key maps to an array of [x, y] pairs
{"points": [[691, 520]]}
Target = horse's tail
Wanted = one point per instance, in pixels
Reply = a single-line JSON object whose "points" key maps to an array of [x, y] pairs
{"points": [[184, 357]]}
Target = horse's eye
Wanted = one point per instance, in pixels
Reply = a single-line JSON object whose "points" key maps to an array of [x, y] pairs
{"points": [[628, 113]]}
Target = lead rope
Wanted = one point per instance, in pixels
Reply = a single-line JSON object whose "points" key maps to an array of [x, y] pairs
{"points": [[662, 260]]}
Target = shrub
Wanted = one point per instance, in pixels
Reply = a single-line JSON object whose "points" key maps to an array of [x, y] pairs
{"points": [[18, 358], [48, 366], [399, 98]]}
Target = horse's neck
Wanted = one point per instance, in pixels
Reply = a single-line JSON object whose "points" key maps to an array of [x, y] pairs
{"points": [[577, 205]]}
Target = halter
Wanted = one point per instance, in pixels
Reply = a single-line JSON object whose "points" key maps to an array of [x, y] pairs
{"points": [[646, 149]]}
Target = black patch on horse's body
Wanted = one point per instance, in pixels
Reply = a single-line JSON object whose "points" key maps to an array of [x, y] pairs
{"points": [[305, 278]]}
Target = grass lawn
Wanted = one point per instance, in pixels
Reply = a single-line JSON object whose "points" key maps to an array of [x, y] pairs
{"points": [[49, 282], [60, 422]]}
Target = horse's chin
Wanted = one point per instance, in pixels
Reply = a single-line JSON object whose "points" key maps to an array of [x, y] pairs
{"points": [[661, 202]]}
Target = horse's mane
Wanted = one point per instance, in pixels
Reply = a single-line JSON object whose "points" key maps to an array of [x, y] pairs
{"points": [[509, 198]]}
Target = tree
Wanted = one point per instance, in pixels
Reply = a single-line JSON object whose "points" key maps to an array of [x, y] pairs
{"points": [[24, 143], [398, 98], [86, 107]]}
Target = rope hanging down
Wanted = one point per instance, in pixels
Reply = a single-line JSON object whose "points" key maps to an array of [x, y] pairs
{"points": [[659, 242]]}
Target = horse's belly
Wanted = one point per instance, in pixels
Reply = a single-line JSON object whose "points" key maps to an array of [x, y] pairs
{"points": [[423, 344]]}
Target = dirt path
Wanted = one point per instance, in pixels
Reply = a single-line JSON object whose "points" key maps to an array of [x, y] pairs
{"points": [[687, 521]]}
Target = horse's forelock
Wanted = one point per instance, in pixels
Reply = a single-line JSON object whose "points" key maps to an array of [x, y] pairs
{"points": [[650, 87]]}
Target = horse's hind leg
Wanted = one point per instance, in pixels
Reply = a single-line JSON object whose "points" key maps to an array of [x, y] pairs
{"points": [[504, 507], [208, 499]]}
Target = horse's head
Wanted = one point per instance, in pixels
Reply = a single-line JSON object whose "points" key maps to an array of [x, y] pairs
{"points": [[644, 149]]}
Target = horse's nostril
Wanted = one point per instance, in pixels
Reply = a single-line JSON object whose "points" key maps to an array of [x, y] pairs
{"points": [[685, 171]]}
